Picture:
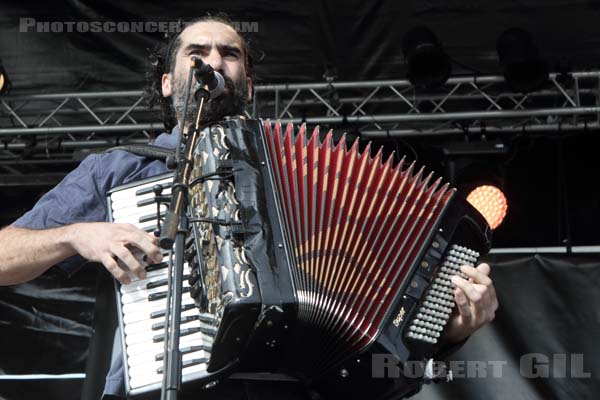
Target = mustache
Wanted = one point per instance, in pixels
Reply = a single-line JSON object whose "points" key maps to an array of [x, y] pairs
{"points": [[231, 87], [229, 83]]}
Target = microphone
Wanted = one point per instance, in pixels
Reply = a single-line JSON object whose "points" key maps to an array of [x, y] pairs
{"points": [[213, 82]]}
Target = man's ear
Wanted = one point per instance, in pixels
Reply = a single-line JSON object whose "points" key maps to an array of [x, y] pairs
{"points": [[166, 84], [250, 88]]}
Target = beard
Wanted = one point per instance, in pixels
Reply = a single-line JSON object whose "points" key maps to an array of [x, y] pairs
{"points": [[231, 102]]}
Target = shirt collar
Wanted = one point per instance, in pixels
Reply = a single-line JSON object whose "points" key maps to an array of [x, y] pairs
{"points": [[168, 140]]}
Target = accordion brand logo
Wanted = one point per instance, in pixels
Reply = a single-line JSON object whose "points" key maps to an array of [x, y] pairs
{"points": [[399, 318]]}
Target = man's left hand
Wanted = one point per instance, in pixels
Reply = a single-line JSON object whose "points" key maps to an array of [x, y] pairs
{"points": [[476, 303]]}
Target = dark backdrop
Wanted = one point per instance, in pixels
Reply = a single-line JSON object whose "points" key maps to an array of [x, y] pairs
{"points": [[297, 39]]}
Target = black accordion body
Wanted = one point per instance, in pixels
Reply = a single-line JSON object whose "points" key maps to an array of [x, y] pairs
{"points": [[305, 258]]}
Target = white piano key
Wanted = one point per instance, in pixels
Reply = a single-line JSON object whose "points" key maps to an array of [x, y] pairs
{"points": [[152, 305], [139, 206], [146, 200], [135, 220], [152, 356], [151, 276], [152, 367], [142, 295], [131, 192], [149, 335], [139, 203], [148, 226], [140, 311], [135, 212], [146, 324], [119, 212], [149, 346], [144, 380], [148, 357]]}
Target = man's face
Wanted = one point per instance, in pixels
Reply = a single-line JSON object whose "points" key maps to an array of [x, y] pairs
{"points": [[220, 46]]}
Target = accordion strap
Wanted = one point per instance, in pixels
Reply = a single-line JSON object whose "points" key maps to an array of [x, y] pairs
{"points": [[145, 150]]}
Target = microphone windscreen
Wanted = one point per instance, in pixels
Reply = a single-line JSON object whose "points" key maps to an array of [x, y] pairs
{"points": [[219, 87]]}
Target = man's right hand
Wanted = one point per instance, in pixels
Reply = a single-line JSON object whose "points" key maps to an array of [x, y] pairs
{"points": [[106, 242]]}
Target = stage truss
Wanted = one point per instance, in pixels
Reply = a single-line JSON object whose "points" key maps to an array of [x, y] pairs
{"points": [[44, 133]]}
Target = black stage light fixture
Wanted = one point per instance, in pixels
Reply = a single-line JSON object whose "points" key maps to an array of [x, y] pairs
{"points": [[524, 69], [4, 83], [428, 65]]}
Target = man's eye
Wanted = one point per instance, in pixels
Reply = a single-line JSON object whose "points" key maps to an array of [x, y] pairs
{"points": [[231, 54]]}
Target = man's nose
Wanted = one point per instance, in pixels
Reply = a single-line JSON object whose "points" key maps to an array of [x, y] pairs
{"points": [[214, 59]]}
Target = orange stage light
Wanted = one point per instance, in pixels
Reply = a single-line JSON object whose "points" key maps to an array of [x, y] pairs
{"points": [[490, 202]]}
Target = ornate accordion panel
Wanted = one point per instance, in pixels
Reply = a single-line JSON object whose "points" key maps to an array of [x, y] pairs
{"points": [[307, 256]]}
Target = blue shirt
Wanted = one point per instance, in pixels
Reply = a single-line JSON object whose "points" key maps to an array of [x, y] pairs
{"points": [[81, 197]]}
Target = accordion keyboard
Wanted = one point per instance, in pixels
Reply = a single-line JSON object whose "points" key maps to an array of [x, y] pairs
{"points": [[143, 302]]}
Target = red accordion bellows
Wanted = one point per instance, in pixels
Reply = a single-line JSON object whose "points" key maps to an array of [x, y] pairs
{"points": [[356, 224]]}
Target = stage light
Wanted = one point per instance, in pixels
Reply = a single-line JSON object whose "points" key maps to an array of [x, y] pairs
{"points": [[3, 79], [428, 65], [480, 177], [524, 69], [490, 202]]}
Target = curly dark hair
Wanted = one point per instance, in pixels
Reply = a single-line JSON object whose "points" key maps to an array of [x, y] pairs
{"points": [[162, 60]]}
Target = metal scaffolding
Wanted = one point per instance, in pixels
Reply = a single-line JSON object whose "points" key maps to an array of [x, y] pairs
{"points": [[463, 104], [41, 129]]}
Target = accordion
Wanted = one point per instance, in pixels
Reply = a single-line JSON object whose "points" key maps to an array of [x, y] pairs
{"points": [[305, 257]]}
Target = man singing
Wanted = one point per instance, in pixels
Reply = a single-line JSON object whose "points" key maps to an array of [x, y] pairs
{"points": [[68, 225]]}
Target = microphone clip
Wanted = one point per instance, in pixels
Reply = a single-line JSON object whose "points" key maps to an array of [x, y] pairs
{"points": [[210, 83], [202, 71]]}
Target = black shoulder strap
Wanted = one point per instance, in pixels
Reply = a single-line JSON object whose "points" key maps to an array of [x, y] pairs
{"points": [[145, 150]]}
